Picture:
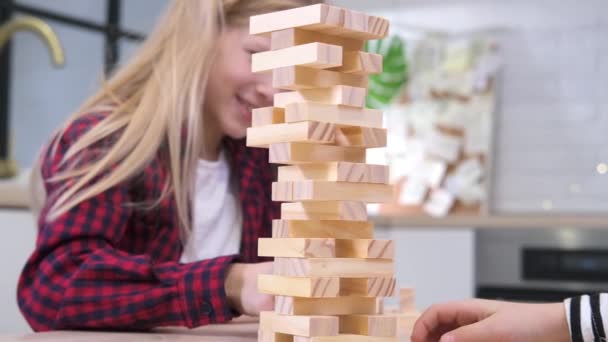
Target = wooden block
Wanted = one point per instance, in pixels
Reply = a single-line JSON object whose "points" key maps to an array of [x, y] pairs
{"points": [[285, 305], [314, 18], [407, 301], [299, 325], [368, 287], [267, 116], [323, 18], [296, 153], [336, 95], [370, 325], [270, 336], [282, 190], [328, 267], [304, 132], [365, 248], [293, 36], [325, 248], [344, 338], [265, 336], [297, 248], [406, 322], [322, 287], [360, 136], [297, 78], [311, 190], [316, 132], [299, 287], [360, 63], [367, 26], [312, 55], [380, 305], [322, 229], [346, 116], [325, 210], [335, 172]]}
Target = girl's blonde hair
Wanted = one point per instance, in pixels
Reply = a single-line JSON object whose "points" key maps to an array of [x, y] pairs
{"points": [[156, 98]]}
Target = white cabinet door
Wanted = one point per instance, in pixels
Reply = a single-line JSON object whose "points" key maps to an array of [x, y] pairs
{"points": [[19, 238], [438, 263]]}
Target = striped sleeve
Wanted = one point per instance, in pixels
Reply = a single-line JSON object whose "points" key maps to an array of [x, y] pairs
{"points": [[587, 317]]}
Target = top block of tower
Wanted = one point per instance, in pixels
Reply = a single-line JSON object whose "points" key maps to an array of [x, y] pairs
{"points": [[322, 18]]}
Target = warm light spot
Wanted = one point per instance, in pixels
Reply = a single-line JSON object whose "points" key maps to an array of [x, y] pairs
{"points": [[548, 205], [602, 168]]}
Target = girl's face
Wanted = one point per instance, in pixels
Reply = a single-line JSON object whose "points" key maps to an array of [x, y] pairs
{"points": [[233, 90]]}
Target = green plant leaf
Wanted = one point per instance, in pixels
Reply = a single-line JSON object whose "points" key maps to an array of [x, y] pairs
{"points": [[385, 86]]}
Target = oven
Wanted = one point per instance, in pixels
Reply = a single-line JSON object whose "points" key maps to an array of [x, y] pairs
{"points": [[540, 265]]}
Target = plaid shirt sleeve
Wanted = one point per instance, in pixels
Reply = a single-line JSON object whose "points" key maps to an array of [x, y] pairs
{"points": [[77, 278]]}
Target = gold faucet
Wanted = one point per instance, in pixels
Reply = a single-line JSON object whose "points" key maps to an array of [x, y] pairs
{"points": [[8, 167], [37, 26]]}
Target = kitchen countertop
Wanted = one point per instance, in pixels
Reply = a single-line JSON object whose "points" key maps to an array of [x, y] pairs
{"points": [[243, 329], [14, 192], [514, 221]]}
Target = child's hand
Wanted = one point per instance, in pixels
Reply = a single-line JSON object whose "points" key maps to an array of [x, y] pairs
{"points": [[242, 288], [483, 320]]}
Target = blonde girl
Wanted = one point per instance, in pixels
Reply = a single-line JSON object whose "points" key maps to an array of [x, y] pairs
{"points": [[150, 205]]}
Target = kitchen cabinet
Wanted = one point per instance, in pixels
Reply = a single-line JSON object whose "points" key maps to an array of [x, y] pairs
{"points": [[18, 240], [437, 262]]}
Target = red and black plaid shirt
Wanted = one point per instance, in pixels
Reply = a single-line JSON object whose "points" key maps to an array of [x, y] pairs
{"points": [[109, 265]]}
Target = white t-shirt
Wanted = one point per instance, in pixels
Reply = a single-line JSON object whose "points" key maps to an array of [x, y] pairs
{"points": [[217, 217]]}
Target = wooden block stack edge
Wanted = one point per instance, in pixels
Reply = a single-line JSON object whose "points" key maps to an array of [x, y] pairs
{"points": [[406, 314], [329, 272]]}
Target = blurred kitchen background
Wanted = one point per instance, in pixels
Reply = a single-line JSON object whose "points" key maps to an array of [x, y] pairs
{"points": [[497, 110]]}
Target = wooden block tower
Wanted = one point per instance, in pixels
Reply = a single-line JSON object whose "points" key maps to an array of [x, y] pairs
{"points": [[329, 271]]}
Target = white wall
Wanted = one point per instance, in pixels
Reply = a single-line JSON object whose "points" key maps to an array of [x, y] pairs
{"points": [[552, 122]]}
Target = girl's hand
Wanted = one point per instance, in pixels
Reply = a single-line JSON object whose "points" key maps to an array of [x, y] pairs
{"points": [[483, 320], [242, 288]]}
